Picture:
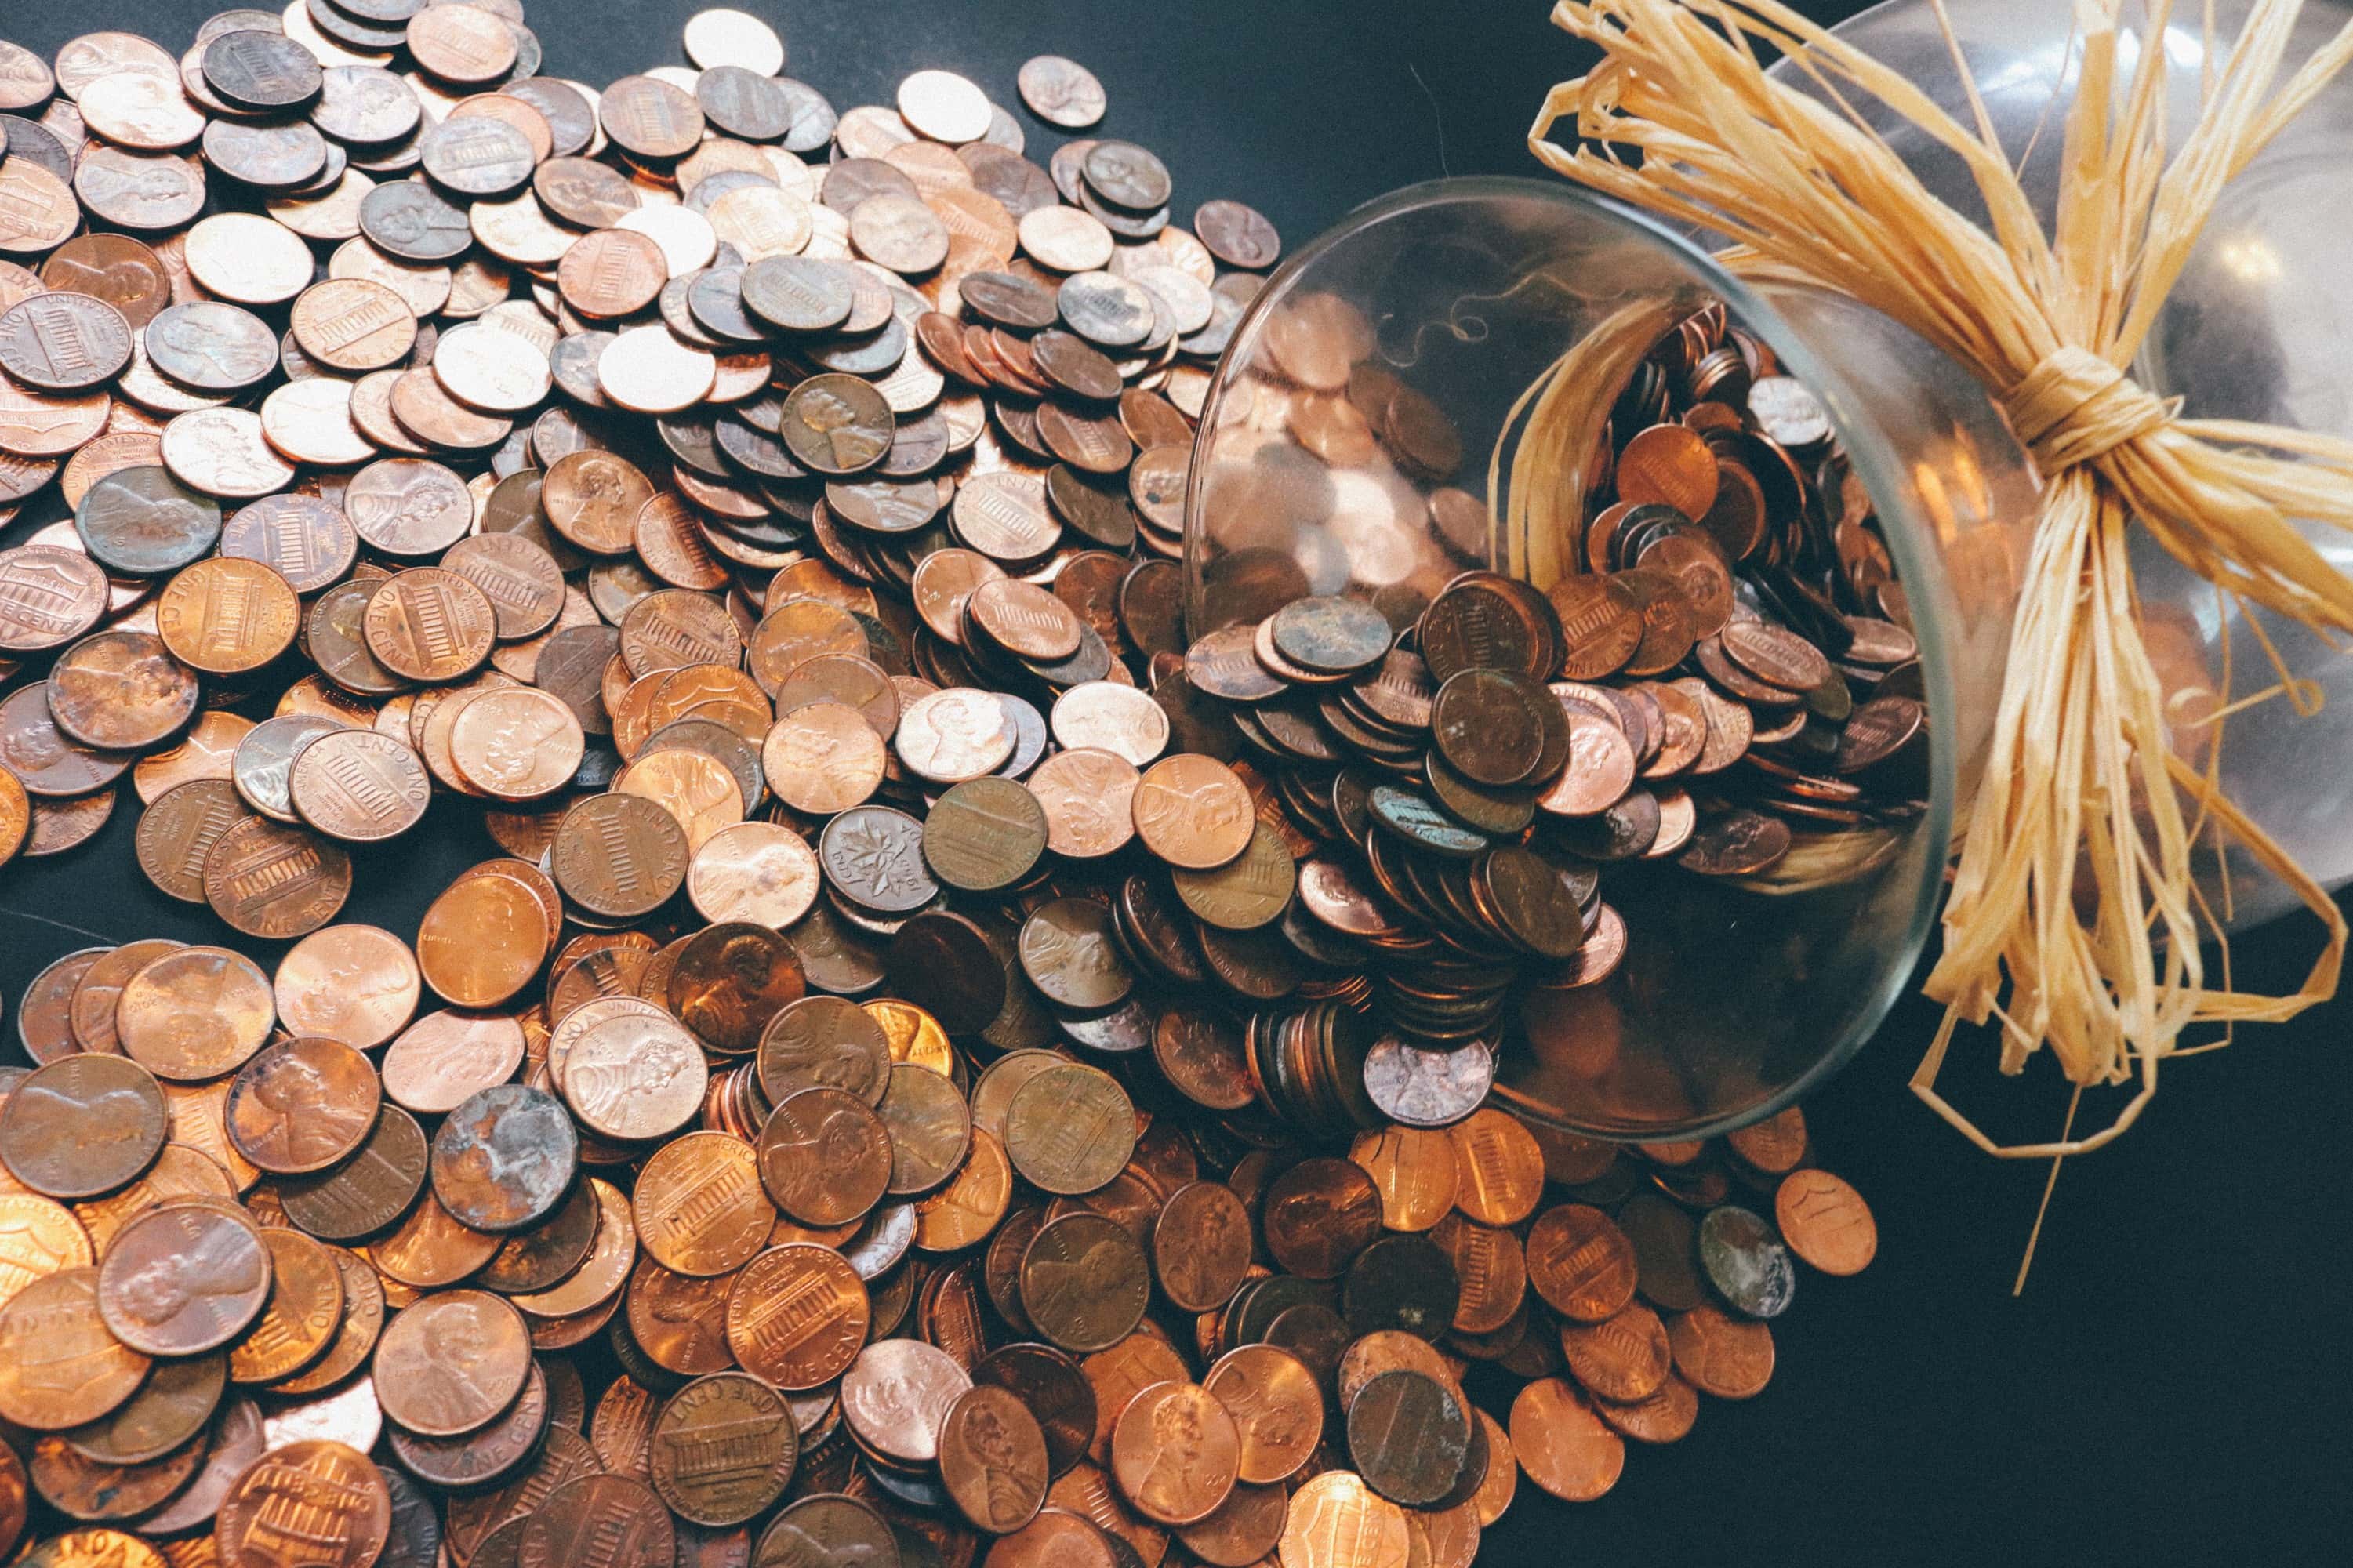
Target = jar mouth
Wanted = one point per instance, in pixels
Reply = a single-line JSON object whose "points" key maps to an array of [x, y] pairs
{"points": [[1875, 461]]}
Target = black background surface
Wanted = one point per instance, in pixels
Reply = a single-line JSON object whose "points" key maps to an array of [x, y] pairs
{"points": [[2173, 1386]]}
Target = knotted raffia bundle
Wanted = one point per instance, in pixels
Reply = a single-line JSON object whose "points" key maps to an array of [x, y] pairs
{"points": [[2081, 781]]}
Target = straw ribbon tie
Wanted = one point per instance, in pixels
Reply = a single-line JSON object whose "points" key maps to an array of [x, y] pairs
{"points": [[2075, 405]]}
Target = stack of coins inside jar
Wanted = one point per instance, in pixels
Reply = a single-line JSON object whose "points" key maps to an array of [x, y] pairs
{"points": [[936, 1063]]}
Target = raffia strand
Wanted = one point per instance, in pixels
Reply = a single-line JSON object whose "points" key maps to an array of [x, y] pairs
{"points": [[2082, 784]]}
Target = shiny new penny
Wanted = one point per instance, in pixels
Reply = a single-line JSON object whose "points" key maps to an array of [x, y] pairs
{"points": [[1176, 1453], [700, 1205], [1826, 1222], [797, 1315], [430, 625], [482, 940], [356, 984], [228, 615], [1580, 1262], [1562, 1445], [335, 1491]]}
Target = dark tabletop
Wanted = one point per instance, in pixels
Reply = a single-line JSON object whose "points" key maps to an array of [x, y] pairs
{"points": [[2173, 1386]]}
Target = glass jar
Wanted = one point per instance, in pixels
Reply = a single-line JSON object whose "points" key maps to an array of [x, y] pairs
{"points": [[2256, 327], [1735, 995]]}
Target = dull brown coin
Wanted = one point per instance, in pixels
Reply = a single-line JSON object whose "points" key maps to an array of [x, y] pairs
{"points": [[183, 1280], [1319, 1215], [1071, 1129], [1084, 1282], [122, 690], [302, 1104], [83, 1125], [451, 1363], [825, 1156], [749, 1423], [619, 855], [304, 1312]]}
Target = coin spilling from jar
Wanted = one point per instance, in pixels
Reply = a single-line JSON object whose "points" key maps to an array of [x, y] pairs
{"points": [[911, 1081]]}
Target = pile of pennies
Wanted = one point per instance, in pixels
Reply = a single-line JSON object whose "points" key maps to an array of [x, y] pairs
{"points": [[937, 1065], [1722, 683]]}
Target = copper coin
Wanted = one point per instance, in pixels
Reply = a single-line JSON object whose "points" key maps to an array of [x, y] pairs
{"points": [[64, 342], [122, 690], [724, 1448], [797, 1315], [1624, 1358], [354, 1337], [825, 1156], [83, 1125], [1562, 1445], [700, 1205], [336, 1493], [482, 940], [1580, 1262], [837, 424], [633, 1077], [430, 625], [174, 1404], [1720, 1355], [450, 1364], [359, 786], [1071, 1129], [618, 856], [824, 1042], [1275, 1406], [1192, 812], [304, 1311], [194, 1012], [1826, 1222], [679, 1321], [183, 1280], [63, 1366], [408, 506], [1084, 1281], [368, 1191], [302, 1105], [226, 615], [444, 1058], [49, 596]]}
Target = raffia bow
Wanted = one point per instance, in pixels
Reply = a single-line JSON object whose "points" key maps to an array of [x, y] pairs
{"points": [[2082, 778]]}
